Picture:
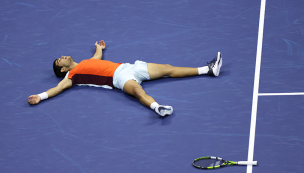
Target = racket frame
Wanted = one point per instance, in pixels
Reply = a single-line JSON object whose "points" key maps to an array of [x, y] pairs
{"points": [[225, 162]]}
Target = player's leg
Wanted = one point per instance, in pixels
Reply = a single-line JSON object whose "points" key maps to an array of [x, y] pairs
{"points": [[159, 70], [133, 88]]}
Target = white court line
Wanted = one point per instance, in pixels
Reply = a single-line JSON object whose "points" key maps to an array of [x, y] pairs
{"points": [[256, 86], [280, 94]]}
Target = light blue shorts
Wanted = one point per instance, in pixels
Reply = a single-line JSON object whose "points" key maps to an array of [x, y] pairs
{"points": [[137, 71]]}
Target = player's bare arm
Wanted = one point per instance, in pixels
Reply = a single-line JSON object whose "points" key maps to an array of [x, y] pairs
{"points": [[64, 84], [99, 47]]}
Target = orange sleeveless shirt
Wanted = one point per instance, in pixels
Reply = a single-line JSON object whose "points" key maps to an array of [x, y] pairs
{"points": [[94, 71]]}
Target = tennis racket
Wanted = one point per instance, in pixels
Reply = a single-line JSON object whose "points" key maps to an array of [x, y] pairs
{"points": [[211, 162]]}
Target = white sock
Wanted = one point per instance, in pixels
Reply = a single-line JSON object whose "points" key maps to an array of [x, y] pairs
{"points": [[154, 105], [203, 70]]}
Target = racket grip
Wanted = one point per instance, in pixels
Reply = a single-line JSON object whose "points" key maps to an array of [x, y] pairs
{"points": [[247, 162]]}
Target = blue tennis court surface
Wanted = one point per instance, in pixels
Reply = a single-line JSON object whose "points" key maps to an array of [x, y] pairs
{"points": [[88, 129]]}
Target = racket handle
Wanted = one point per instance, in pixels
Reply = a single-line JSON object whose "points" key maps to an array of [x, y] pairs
{"points": [[247, 162]]}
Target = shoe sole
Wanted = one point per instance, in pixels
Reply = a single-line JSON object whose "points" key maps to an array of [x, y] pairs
{"points": [[219, 61], [220, 55], [168, 112]]}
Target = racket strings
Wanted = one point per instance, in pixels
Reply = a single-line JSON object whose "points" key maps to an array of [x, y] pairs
{"points": [[209, 163]]}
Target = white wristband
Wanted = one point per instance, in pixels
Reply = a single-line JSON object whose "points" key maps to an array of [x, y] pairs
{"points": [[43, 96]]}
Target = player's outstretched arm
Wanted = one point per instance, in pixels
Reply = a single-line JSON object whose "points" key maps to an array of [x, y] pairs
{"points": [[64, 84], [99, 47]]}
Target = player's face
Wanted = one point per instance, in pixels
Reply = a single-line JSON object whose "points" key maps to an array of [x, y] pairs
{"points": [[64, 61]]}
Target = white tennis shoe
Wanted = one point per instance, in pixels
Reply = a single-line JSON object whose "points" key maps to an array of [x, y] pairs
{"points": [[164, 110], [215, 65]]}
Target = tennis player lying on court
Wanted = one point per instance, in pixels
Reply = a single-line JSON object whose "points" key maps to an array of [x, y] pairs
{"points": [[127, 77]]}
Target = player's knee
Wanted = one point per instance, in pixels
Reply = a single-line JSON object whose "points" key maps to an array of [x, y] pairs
{"points": [[169, 69], [168, 66], [172, 71]]}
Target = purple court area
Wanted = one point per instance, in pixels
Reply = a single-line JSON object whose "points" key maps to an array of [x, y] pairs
{"points": [[90, 130]]}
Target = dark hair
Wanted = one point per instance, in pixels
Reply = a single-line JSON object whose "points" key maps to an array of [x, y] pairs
{"points": [[57, 70]]}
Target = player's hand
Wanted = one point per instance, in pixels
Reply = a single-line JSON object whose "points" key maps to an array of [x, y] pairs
{"points": [[33, 99], [102, 44]]}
